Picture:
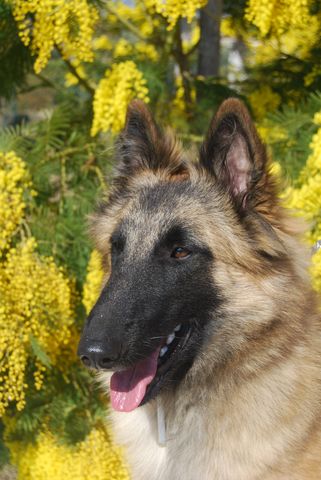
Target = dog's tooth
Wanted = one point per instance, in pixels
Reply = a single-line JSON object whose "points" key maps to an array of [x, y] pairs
{"points": [[170, 338], [176, 329], [163, 351]]}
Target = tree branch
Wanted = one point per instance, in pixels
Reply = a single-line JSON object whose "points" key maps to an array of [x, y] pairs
{"points": [[125, 22], [182, 62], [73, 70], [192, 49], [46, 82]]}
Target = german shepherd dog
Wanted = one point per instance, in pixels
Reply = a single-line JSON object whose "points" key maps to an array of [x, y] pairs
{"points": [[207, 318]]}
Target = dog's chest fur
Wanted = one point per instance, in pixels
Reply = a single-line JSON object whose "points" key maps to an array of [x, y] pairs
{"points": [[253, 435], [138, 431], [197, 447]]}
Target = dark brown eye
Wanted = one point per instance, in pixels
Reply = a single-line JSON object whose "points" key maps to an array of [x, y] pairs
{"points": [[180, 252]]}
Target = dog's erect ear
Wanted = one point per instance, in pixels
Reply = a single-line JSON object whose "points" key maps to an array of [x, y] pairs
{"points": [[234, 154], [136, 143], [142, 145]]}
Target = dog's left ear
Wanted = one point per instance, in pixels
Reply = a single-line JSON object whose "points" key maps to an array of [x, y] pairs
{"points": [[234, 154]]}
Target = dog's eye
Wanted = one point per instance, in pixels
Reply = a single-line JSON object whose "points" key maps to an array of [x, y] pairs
{"points": [[180, 253]]}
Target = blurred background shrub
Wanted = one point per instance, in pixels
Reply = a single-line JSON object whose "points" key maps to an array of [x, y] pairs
{"points": [[68, 70]]}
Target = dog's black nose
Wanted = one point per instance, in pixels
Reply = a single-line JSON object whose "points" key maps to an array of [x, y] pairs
{"points": [[98, 355], [96, 360]]}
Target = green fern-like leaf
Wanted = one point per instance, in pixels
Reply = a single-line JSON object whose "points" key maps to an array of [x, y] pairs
{"points": [[39, 352], [297, 122], [53, 130], [18, 138]]}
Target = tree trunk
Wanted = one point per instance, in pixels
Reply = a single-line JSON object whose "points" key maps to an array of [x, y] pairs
{"points": [[183, 65], [209, 47]]}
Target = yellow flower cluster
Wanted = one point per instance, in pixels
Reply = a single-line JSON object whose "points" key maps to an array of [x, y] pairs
{"points": [[95, 458], [178, 101], [14, 182], [190, 41], [316, 271], [227, 27], [178, 105], [307, 197], [102, 43], [312, 75], [263, 100], [276, 16], [172, 10], [121, 84], [146, 51], [44, 24], [35, 319], [271, 133], [317, 118], [93, 282], [71, 79], [142, 50], [298, 41]]}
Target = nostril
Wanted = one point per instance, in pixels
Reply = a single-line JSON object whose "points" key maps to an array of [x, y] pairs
{"points": [[105, 362], [85, 360]]}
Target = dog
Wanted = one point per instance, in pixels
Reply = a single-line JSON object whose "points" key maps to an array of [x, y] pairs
{"points": [[207, 332]]}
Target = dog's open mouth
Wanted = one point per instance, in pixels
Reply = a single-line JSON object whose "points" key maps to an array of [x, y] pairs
{"points": [[136, 385]]}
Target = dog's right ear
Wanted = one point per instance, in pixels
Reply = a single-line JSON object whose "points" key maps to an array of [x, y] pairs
{"points": [[142, 145], [136, 143]]}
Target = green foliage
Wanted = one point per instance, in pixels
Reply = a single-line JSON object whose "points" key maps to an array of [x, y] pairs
{"points": [[12, 73], [287, 75], [210, 94], [17, 138], [234, 8], [290, 144], [69, 407], [67, 169], [39, 353]]}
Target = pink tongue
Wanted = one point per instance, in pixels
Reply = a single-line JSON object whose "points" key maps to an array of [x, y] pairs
{"points": [[128, 387]]}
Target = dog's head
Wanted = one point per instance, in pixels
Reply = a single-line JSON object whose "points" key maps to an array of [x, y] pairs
{"points": [[194, 249]]}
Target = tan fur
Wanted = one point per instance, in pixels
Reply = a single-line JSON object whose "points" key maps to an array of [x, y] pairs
{"points": [[250, 406]]}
